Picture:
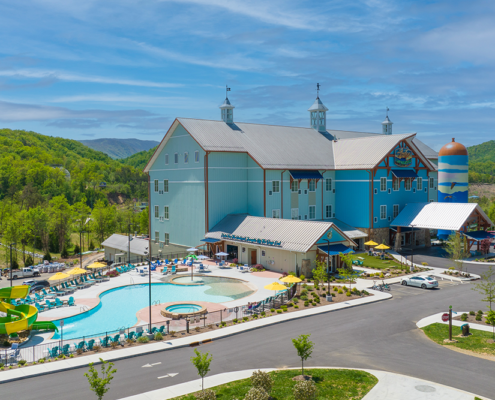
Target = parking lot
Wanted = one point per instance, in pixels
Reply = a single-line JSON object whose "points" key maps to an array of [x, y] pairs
{"points": [[399, 290]]}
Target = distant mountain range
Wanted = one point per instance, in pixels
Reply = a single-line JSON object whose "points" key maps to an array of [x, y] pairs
{"points": [[120, 148], [139, 160]]}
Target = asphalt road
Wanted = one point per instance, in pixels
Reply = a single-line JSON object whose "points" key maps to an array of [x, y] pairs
{"points": [[380, 336]]}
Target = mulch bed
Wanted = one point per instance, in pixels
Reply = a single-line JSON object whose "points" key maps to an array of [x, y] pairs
{"points": [[471, 319]]}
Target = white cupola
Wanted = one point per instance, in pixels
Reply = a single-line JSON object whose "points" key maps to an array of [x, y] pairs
{"points": [[318, 113], [387, 125], [227, 109]]}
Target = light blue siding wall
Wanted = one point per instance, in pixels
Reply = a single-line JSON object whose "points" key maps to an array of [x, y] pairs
{"points": [[352, 198], [255, 189], [328, 196], [433, 192], [227, 185], [186, 200], [273, 201]]}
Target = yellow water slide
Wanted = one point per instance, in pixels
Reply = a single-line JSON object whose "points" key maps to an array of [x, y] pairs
{"points": [[21, 317]]}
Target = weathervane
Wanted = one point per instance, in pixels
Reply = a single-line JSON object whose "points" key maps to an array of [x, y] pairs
{"points": [[317, 90], [387, 111], [227, 89]]}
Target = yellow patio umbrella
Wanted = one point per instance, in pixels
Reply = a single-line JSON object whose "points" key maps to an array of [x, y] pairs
{"points": [[382, 247], [96, 265], [76, 271], [275, 286], [58, 276], [370, 243], [290, 279]]}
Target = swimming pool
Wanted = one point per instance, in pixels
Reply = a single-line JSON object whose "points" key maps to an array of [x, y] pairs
{"points": [[183, 308], [118, 307]]}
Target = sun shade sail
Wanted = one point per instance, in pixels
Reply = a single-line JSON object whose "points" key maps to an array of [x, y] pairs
{"points": [[335, 249], [404, 173], [305, 174]]}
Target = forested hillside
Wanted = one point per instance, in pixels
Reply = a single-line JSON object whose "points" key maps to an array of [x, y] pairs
{"points": [[50, 186], [139, 160], [120, 148], [482, 152], [482, 162]]}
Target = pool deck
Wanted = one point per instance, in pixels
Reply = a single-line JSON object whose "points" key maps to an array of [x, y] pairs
{"points": [[88, 298]]}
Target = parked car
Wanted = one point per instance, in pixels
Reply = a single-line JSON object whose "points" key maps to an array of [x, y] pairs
{"points": [[38, 285], [423, 281], [24, 273], [29, 282]]}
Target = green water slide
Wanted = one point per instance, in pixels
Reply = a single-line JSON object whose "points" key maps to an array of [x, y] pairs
{"points": [[22, 317]]}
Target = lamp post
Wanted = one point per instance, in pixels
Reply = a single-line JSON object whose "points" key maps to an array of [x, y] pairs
{"points": [[149, 286], [11, 262], [129, 243], [80, 247]]}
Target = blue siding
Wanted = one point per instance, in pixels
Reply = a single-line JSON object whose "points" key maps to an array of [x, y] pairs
{"points": [[352, 198], [255, 189]]}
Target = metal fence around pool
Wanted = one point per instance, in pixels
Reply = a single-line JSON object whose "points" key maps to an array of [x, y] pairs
{"points": [[181, 326]]}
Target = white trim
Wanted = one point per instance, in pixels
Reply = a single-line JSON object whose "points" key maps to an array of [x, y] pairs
{"points": [[278, 210], [165, 191], [157, 208], [178, 136], [278, 191], [326, 214], [383, 205], [165, 241], [381, 180], [156, 185], [291, 212], [168, 212], [309, 213], [393, 210]]}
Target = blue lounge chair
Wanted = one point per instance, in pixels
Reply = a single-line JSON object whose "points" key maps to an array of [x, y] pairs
{"points": [[40, 307], [166, 261], [53, 352], [132, 335], [49, 305], [174, 271], [139, 334], [176, 261], [81, 346], [58, 303], [162, 328], [38, 297], [90, 345], [104, 341], [55, 290], [66, 349], [116, 339], [45, 294], [71, 301]]}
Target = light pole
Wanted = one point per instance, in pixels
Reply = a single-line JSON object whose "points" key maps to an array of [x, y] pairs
{"points": [[80, 247], [129, 243], [149, 286]]}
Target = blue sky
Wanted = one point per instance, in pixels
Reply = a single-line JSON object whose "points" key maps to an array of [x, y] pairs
{"points": [[97, 69]]}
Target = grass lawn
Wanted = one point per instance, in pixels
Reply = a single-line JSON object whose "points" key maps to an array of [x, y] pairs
{"points": [[375, 262], [332, 384], [476, 343]]}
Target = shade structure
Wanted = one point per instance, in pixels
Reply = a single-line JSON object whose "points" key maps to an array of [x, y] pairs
{"points": [[76, 271], [202, 257], [192, 249], [222, 254], [96, 265], [371, 243], [275, 286], [382, 247], [290, 279], [58, 276], [335, 249]]}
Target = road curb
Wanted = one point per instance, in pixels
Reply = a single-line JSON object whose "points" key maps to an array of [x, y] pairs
{"points": [[249, 326]]}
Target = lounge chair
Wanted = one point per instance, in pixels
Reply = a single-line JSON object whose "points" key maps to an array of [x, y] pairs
{"points": [[49, 305], [103, 277], [90, 281], [116, 339], [139, 334], [53, 352], [104, 341], [45, 294], [176, 261], [66, 349], [38, 297], [166, 261], [40, 307], [81, 346], [71, 301], [174, 271], [90, 345], [162, 328], [165, 271], [29, 300], [58, 303], [55, 290]]}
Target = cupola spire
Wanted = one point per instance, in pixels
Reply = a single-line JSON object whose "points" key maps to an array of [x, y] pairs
{"points": [[387, 125], [227, 108], [318, 113]]}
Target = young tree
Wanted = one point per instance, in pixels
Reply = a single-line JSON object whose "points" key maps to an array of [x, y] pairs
{"points": [[486, 287], [144, 220], [99, 384], [29, 261], [485, 246], [304, 348], [202, 363], [60, 219], [490, 318], [347, 273], [77, 249], [320, 273], [103, 220], [456, 251]]}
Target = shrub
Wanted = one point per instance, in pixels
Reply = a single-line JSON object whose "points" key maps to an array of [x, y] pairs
{"points": [[255, 316], [112, 274], [245, 318], [22, 362], [478, 317], [262, 380], [302, 277], [196, 328], [340, 291], [335, 288], [64, 253], [235, 320], [207, 394], [382, 275], [41, 360], [2, 365], [306, 303], [344, 288], [295, 300], [290, 305], [129, 341], [304, 292], [304, 390], [172, 333], [348, 294], [6, 343], [314, 294], [304, 297], [263, 313], [159, 336], [256, 394], [235, 260], [114, 345], [317, 300], [279, 311], [464, 317], [472, 313], [424, 263], [47, 257], [480, 312], [272, 310], [223, 323], [143, 339], [79, 352], [296, 306], [311, 289]]}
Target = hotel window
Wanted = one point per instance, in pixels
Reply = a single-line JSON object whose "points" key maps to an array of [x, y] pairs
{"points": [[196, 156], [383, 212], [276, 214], [396, 210], [294, 186], [166, 159], [312, 212], [328, 211], [176, 158], [157, 236], [167, 239], [407, 184], [165, 186], [312, 185], [156, 185], [432, 183], [165, 212], [186, 158], [157, 212], [383, 184], [396, 184], [328, 184], [275, 186], [294, 213], [419, 183]]}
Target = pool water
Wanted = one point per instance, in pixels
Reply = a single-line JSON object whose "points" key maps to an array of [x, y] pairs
{"points": [[118, 307], [183, 308]]}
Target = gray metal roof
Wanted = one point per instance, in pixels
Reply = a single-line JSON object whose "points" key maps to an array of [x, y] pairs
{"points": [[448, 216], [226, 104], [295, 235], [287, 147], [318, 106], [387, 121], [121, 242], [349, 230]]}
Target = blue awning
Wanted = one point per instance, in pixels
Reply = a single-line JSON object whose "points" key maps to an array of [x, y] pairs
{"points": [[405, 229], [211, 240], [404, 173], [478, 235], [306, 174], [335, 249]]}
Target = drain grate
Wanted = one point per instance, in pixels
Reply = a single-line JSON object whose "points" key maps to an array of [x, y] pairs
{"points": [[425, 388]]}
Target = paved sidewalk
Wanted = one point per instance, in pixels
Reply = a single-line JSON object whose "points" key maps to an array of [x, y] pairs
{"points": [[390, 386], [77, 362], [437, 318]]}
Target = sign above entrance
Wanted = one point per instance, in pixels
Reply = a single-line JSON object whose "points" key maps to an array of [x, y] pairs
{"points": [[247, 239], [403, 157]]}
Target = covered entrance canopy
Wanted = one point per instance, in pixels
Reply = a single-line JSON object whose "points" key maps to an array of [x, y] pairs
{"points": [[335, 249]]}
